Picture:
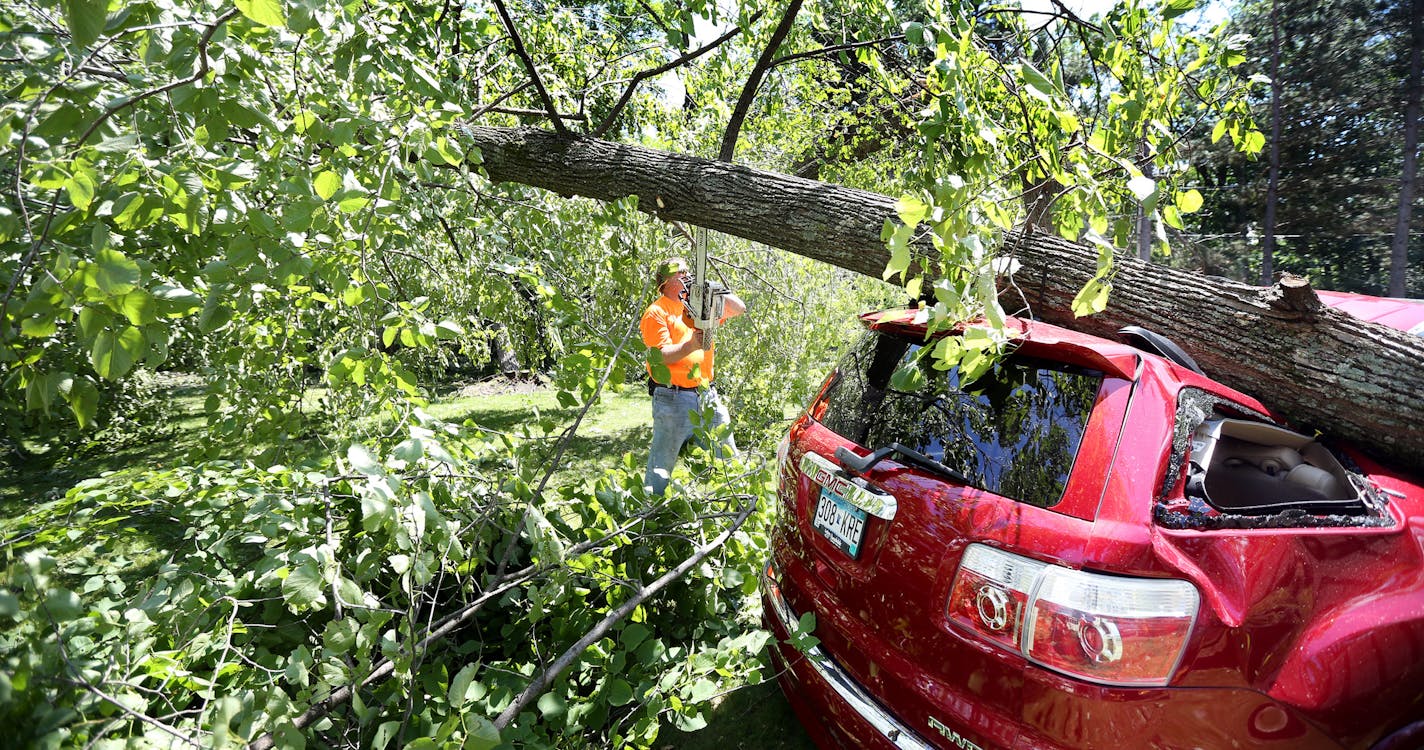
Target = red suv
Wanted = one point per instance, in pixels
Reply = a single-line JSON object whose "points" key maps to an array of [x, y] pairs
{"points": [[1092, 546]]}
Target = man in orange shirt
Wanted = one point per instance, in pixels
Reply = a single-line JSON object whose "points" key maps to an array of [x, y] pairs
{"points": [[685, 365]]}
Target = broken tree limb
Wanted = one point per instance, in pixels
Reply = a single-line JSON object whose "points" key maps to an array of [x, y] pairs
{"points": [[451, 623], [1321, 370], [545, 679]]}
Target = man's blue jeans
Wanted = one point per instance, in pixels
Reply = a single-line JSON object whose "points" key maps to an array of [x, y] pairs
{"points": [[676, 419]]}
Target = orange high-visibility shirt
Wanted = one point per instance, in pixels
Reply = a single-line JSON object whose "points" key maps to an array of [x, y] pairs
{"points": [[665, 323]]}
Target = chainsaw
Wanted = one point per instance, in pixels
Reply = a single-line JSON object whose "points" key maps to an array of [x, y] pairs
{"points": [[705, 299]]}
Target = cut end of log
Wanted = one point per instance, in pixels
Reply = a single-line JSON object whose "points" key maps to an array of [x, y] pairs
{"points": [[1294, 294]]}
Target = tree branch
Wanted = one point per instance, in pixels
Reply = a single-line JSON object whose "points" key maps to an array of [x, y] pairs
{"points": [[529, 64], [446, 625], [784, 59], [500, 99], [763, 64], [646, 74], [530, 112], [544, 680]]}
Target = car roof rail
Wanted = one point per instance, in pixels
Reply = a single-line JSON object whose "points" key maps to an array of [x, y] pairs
{"points": [[1151, 341]]}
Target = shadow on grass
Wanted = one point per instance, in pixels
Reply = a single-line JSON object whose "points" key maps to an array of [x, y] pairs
{"points": [[42, 477], [513, 411], [756, 717]]}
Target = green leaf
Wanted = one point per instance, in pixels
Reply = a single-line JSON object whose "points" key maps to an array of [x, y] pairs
{"points": [[1172, 217], [1253, 142], [327, 184], [62, 604], [915, 33], [377, 512], [114, 353], [303, 586], [482, 735], [157, 339], [1189, 202], [617, 692], [1143, 188], [353, 204], [444, 150], [363, 461], [1092, 298], [656, 367], [80, 187], [349, 591], [1039, 84], [86, 19], [448, 330], [899, 245], [633, 635], [908, 378], [552, 705], [38, 328], [384, 734], [702, 690], [303, 120], [1175, 8], [114, 273], [138, 306], [83, 399], [464, 688], [9, 605], [215, 313], [911, 209], [175, 301], [1218, 131], [689, 723], [264, 12]]}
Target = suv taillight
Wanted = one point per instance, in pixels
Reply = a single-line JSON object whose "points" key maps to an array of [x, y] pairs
{"points": [[991, 593], [1108, 629]]}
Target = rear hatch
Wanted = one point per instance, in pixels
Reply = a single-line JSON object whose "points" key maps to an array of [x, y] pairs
{"points": [[1016, 459]]}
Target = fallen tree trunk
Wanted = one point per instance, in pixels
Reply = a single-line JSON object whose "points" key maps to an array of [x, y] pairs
{"points": [[1318, 368]]}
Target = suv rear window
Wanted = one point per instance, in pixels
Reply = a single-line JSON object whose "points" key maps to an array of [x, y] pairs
{"points": [[1014, 432]]}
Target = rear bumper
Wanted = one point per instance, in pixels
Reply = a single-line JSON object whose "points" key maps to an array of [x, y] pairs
{"points": [[1057, 713], [813, 678]]}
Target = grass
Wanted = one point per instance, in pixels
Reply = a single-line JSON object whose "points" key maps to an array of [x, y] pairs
{"points": [[619, 423], [756, 716], [45, 476]]}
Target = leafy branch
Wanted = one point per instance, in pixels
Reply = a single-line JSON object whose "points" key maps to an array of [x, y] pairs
{"points": [[547, 677]]}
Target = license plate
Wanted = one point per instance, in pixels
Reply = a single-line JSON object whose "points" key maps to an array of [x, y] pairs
{"points": [[840, 522]]}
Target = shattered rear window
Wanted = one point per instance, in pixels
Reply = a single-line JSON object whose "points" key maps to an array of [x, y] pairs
{"points": [[1014, 432]]}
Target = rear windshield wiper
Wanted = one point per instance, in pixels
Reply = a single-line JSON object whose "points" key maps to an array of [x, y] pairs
{"points": [[861, 464]]}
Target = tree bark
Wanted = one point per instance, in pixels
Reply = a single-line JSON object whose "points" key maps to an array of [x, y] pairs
{"points": [[1318, 368]]}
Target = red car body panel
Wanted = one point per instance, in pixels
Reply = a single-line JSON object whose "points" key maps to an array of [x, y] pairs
{"points": [[1305, 638], [1403, 314]]}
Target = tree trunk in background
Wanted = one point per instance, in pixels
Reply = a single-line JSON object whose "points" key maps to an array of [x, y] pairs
{"points": [[502, 350], [1268, 246], [1319, 369], [1399, 249]]}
